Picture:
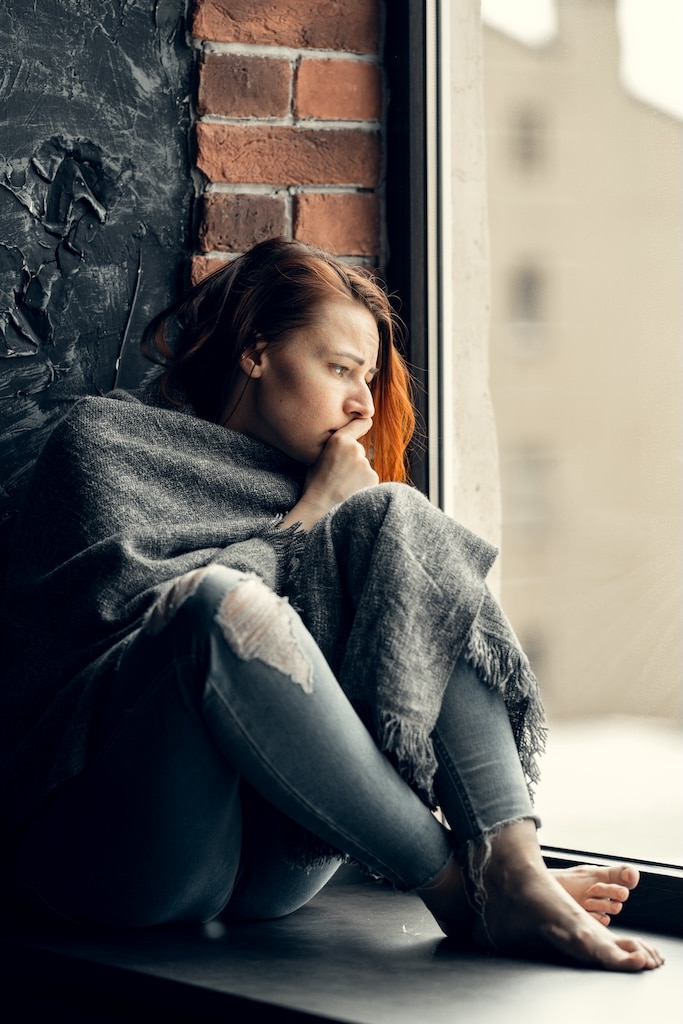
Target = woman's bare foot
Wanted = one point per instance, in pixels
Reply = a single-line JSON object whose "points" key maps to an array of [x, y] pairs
{"points": [[602, 891], [528, 911]]}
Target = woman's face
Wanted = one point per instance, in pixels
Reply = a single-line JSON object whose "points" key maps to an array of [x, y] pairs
{"points": [[301, 390]]}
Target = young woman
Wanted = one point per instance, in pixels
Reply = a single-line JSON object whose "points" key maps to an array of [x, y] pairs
{"points": [[241, 647]]}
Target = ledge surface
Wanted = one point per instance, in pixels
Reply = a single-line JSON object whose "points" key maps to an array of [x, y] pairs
{"points": [[359, 953]]}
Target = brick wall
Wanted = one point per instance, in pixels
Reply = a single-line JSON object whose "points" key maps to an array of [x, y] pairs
{"points": [[289, 126]]}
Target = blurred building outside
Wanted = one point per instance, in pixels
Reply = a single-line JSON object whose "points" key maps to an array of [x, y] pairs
{"points": [[586, 215]]}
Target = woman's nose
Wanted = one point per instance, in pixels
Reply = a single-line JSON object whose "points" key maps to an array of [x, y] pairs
{"points": [[360, 402]]}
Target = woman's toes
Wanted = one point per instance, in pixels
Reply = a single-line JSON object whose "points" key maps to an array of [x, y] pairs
{"points": [[641, 955], [629, 876], [610, 898], [601, 906]]}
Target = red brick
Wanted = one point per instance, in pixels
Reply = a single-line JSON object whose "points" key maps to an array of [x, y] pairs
{"points": [[351, 25], [347, 90], [288, 156], [238, 86], [233, 223], [344, 223], [201, 267]]}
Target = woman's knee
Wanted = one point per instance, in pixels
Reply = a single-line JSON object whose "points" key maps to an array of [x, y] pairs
{"points": [[378, 498], [257, 624], [394, 508], [238, 607]]}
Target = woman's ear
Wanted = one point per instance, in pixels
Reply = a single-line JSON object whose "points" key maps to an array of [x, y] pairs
{"points": [[251, 360]]}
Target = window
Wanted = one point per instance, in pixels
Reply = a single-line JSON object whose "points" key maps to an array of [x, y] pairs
{"points": [[602, 401], [589, 440], [526, 478]]}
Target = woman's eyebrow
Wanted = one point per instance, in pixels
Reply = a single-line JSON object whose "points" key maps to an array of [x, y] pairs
{"points": [[343, 354]]}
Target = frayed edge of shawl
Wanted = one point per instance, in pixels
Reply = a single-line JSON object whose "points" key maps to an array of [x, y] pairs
{"points": [[410, 747], [505, 668], [288, 542]]}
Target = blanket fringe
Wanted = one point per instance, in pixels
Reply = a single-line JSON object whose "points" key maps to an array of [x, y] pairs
{"points": [[412, 750], [288, 543], [505, 668], [499, 663]]}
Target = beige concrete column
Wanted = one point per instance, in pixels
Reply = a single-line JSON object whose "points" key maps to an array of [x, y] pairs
{"points": [[471, 486]]}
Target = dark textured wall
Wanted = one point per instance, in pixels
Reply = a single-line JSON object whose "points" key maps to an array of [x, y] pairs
{"points": [[95, 197]]}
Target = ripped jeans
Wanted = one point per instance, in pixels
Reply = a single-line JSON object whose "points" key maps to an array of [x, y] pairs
{"points": [[223, 722]]}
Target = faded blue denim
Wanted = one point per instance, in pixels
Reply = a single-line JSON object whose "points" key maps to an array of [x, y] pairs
{"points": [[199, 759]]}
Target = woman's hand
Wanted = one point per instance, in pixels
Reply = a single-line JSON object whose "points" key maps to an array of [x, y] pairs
{"points": [[342, 470]]}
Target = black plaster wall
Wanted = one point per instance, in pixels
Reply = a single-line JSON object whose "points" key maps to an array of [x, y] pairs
{"points": [[95, 203]]}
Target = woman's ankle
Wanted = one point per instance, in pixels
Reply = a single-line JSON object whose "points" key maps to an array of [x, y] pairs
{"points": [[515, 850], [446, 899]]}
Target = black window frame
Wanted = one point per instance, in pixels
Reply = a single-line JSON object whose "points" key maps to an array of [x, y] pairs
{"points": [[405, 68], [657, 904]]}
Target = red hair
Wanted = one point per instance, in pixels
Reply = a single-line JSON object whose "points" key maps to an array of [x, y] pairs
{"points": [[274, 288]]}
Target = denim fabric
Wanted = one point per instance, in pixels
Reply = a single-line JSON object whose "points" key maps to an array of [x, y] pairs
{"points": [[201, 756], [479, 784]]}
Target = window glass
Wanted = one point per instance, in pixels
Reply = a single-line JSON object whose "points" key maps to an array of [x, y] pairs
{"points": [[585, 172]]}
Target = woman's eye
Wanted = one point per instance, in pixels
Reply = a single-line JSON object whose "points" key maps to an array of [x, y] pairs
{"points": [[339, 370]]}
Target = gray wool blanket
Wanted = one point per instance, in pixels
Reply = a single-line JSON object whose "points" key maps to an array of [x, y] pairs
{"points": [[129, 493]]}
